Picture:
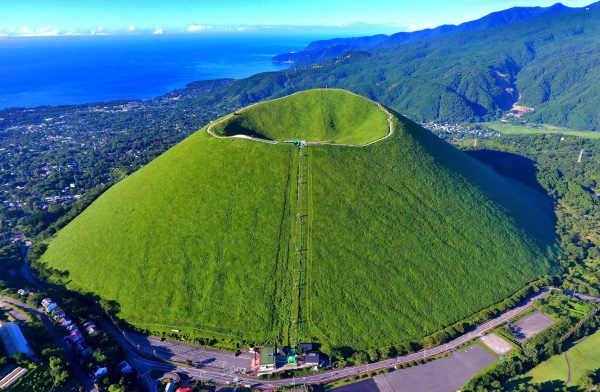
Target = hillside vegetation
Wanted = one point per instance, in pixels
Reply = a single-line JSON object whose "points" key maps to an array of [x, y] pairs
{"points": [[548, 61], [244, 241], [582, 357], [313, 116]]}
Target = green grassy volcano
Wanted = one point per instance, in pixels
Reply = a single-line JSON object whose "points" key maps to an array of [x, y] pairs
{"points": [[354, 246], [315, 116]]}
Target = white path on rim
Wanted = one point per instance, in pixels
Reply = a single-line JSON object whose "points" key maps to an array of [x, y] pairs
{"points": [[256, 139]]}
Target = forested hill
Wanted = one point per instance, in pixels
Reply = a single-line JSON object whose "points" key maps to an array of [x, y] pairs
{"points": [[330, 48], [552, 61]]}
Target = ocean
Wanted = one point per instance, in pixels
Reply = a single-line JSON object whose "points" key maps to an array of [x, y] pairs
{"points": [[70, 70]]}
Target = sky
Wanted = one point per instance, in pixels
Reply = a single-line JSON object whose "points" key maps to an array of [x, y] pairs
{"points": [[341, 17]]}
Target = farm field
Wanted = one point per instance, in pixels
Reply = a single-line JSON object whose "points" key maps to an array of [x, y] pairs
{"points": [[582, 357], [248, 242], [513, 129]]}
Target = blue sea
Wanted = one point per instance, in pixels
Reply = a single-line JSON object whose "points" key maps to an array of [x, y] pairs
{"points": [[67, 70]]}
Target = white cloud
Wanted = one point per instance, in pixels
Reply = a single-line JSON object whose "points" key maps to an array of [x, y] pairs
{"points": [[98, 31], [196, 28], [421, 26], [132, 28], [47, 32], [25, 31], [158, 31]]}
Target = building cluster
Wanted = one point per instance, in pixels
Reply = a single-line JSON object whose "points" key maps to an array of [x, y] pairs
{"points": [[458, 132], [277, 358], [75, 336]]}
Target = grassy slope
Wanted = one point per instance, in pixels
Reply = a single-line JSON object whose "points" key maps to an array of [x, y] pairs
{"points": [[404, 246], [314, 115], [407, 236], [511, 129], [189, 239], [582, 357]]}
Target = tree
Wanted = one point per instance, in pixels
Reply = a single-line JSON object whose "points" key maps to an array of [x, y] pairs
{"points": [[117, 388], [58, 371], [589, 379], [20, 359], [360, 357]]}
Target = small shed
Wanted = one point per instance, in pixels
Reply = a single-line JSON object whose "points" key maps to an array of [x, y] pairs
{"points": [[306, 347], [267, 359], [312, 358]]}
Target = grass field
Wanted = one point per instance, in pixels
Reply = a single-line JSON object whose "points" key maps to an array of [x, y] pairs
{"points": [[514, 129], [582, 357], [359, 247]]}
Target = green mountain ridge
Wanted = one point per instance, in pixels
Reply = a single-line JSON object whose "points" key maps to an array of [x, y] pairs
{"points": [[364, 247], [549, 63]]}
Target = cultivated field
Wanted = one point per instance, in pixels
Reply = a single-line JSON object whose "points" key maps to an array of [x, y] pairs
{"points": [[514, 129], [244, 241]]}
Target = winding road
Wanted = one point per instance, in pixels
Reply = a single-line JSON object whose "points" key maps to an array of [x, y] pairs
{"points": [[148, 353], [146, 363]]}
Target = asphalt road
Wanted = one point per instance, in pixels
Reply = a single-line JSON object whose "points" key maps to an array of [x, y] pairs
{"points": [[228, 376], [145, 356]]}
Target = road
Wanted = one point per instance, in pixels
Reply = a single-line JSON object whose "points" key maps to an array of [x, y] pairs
{"points": [[80, 374], [227, 376], [148, 353]]}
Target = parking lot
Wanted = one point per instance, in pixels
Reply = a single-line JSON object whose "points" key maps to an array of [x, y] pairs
{"points": [[533, 324], [442, 375]]}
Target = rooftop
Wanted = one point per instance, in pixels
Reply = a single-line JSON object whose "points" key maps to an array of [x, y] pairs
{"points": [[267, 356], [13, 340]]}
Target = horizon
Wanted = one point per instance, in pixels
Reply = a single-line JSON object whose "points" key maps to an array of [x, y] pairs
{"points": [[54, 18]]}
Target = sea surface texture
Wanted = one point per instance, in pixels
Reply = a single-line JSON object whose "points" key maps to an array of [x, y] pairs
{"points": [[68, 70]]}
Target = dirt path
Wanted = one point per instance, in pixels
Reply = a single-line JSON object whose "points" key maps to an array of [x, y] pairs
{"points": [[256, 139], [568, 369]]}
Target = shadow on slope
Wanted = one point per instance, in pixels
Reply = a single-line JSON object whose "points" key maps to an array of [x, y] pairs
{"points": [[531, 208], [510, 165]]}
